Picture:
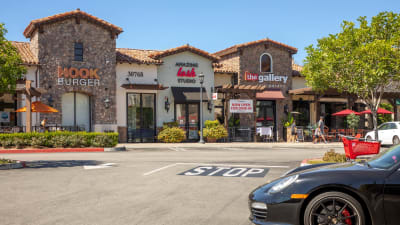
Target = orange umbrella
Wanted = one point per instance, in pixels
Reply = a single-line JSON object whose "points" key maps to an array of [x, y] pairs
{"points": [[39, 107]]}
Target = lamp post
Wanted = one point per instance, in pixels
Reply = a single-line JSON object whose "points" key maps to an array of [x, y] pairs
{"points": [[201, 79]]}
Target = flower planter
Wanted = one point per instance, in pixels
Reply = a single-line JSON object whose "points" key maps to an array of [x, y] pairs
{"points": [[211, 140]]}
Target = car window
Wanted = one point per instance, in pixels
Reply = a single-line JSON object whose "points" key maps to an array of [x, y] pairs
{"points": [[393, 126], [386, 159], [383, 127]]}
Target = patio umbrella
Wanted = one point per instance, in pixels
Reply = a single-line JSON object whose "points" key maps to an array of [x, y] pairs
{"points": [[345, 112], [39, 107], [379, 111]]}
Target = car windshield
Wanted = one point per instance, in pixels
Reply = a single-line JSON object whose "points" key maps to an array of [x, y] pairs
{"points": [[386, 159]]}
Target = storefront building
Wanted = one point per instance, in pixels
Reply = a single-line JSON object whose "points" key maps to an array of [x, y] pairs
{"points": [[263, 63], [98, 87]]}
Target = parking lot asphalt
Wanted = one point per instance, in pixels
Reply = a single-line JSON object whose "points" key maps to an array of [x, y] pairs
{"points": [[162, 186]]}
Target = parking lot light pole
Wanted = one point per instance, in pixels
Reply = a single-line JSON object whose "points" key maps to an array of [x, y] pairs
{"points": [[201, 79]]}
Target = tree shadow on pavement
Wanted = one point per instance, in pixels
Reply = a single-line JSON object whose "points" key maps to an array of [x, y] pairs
{"points": [[60, 163]]}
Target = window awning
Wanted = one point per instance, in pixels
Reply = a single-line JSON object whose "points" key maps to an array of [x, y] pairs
{"points": [[270, 95], [188, 94]]}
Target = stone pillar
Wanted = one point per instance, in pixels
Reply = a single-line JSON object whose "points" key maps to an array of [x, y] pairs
{"points": [[28, 105]]}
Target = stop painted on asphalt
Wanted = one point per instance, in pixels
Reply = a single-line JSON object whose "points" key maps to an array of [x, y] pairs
{"points": [[226, 171]]}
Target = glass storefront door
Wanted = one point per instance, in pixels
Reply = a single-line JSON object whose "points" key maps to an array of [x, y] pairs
{"points": [[141, 117], [187, 116], [266, 115], [76, 111]]}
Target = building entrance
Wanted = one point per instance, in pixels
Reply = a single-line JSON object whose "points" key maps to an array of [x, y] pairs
{"points": [[187, 116], [76, 111], [141, 117]]}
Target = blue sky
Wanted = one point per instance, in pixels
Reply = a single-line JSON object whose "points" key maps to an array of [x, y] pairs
{"points": [[211, 25]]}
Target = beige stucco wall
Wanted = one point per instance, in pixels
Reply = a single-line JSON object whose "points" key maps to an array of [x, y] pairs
{"points": [[222, 78], [298, 82], [149, 76]]}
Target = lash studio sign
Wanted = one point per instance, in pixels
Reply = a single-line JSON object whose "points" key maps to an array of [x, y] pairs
{"points": [[186, 72], [78, 77]]}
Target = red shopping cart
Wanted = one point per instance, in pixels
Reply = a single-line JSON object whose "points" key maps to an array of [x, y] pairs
{"points": [[354, 147]]}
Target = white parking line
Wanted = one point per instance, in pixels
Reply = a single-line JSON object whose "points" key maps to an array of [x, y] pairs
{"points": [[234, 149], [209, 164], [178, 149], [101, 166], [159, 169]]}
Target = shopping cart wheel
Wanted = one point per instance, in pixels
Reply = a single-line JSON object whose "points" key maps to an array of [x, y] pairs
{"points": [[396, 140]]}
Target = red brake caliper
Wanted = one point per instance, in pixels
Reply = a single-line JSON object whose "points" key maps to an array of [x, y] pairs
{"points": [[346, 213]]}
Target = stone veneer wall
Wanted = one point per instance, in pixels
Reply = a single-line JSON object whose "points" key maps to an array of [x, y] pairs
{"points": [[282, 65], [56, 48]]}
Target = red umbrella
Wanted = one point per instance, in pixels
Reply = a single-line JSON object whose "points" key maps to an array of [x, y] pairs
{"points": [[379, 111], [345, 112]]}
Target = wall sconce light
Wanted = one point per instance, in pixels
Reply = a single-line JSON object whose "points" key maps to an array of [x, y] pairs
{"points": [[50, 100], [209, 106], [107, 103], [286, 108], [166, 104]]}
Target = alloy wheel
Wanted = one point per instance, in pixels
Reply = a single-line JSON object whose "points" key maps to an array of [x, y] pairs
{"points": [[335, 209]]}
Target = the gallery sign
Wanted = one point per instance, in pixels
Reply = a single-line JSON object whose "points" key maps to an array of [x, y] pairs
{"points": [[265, 78], [78, 77]]}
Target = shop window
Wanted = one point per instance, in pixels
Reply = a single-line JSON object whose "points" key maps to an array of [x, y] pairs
{"points": [[266, 63], [78, 52]]}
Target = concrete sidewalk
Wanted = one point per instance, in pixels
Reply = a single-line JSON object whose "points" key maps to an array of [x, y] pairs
{"points": [[252, 145]]}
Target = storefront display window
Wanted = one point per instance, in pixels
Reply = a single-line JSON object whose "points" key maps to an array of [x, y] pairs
{"points": [[303, 107], [265, 113], [141, 117], [187, 116], [76, 111]]}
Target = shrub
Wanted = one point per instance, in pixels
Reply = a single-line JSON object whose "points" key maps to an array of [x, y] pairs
{"points": [[171, 135], [213, 129], [332, 156], [352, 121], [59, 139]]}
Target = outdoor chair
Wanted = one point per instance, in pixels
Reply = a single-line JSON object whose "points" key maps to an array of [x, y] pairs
{"points": [[300, 135]]}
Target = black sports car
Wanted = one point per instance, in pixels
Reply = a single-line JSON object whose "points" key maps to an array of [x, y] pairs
{"points": [[343, 194]]}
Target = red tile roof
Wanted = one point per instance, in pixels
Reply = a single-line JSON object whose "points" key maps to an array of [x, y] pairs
{"points": [[28, 58], [235, 48], [72, 14], [184, 48], [127, 55], [227, 67]]}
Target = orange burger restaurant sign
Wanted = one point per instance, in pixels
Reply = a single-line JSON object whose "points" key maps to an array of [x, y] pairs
{"points": [[78, 77]]}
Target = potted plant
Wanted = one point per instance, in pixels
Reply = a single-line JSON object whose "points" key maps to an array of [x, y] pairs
{"points": [[214, 130], [287, 122]]}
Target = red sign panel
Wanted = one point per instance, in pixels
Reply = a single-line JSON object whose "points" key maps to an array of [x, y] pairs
{"points": [[250, 76], [188, 73]]}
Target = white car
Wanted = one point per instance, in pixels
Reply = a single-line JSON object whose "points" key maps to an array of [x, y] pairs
{"points": [[388, 133]]}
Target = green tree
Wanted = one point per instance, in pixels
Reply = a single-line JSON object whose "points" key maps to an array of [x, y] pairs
{"points": [[383, 118], [11, 68], [363, 60]]}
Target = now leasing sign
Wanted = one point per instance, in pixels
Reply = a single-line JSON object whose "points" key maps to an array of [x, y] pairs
{"points": [[223, 171], [240, 106]]}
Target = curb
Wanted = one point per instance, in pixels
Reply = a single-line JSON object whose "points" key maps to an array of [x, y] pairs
{"points": [[50, 150], [304, 162], [9, 166], [55, 150]]}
